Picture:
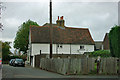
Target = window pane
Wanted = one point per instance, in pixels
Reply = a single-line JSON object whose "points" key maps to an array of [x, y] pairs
{"points": [[81, 47]]}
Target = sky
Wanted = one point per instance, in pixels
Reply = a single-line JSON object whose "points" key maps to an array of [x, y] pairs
{"points": [[99, 16]]}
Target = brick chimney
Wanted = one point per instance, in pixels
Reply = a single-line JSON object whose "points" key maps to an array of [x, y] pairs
{"points": [[60, 22]]}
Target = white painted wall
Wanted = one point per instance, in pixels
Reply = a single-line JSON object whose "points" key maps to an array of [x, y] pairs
{"points": [[37, 47], [75, 49], [64, 50]]}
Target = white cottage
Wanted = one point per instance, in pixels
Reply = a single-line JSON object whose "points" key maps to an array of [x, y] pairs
{"points": [[66, 40]]}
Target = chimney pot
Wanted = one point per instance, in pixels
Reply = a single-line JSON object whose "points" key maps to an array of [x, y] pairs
{"points": [[60, 22], [61, 18]]}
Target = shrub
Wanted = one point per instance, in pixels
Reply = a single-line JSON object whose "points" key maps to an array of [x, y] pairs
{"points": [[102, 53], [114, 40]]}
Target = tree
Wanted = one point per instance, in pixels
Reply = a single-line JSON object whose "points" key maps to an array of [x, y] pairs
{"points": [[5, 50], [114, 41], [22, 37]]}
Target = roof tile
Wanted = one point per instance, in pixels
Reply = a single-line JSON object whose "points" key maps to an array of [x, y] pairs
{"points": [[68, 35]]}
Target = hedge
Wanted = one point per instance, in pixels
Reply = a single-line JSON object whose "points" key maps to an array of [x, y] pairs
{"points": [[102, 53], [114, 40]]}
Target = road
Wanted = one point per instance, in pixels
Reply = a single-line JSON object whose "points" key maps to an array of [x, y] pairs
{"points": [[29, 72]]}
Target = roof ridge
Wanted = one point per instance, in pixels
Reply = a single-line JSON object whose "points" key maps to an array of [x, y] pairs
{"points": [[57, 26], [75, 28]]}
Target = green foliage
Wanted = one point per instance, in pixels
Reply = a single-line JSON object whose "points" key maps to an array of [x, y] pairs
{"points": [[102, 53], [22, 37], [5, 51], [114, 40]]}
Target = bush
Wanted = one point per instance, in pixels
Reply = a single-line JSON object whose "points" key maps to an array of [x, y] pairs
{"points": [[114, 40], [102, 53]]}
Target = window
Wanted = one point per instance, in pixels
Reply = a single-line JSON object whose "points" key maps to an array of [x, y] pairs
{"points": [[81, 47], [59, 46]]}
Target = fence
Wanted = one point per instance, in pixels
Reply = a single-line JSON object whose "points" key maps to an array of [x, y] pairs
{"points": [[109, 66], [79, 65], [38, 57], [68, 65]]}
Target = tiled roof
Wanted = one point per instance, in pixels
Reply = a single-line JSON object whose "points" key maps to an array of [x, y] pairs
{"points": [[106, 42], [69, 35]]}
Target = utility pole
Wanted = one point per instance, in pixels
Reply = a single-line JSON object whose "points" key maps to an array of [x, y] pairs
{"points": [[51, 29]]}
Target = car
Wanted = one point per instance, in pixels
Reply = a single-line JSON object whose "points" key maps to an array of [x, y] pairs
{"points": [[11, 62], [19, 62]]}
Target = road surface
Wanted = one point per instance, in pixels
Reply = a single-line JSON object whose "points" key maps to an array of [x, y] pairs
{"points": [[29, 72], [0, 74]]}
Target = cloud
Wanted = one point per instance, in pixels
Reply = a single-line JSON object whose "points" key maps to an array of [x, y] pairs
{"points": [[104, 16], [92, 15], [12, 22]]}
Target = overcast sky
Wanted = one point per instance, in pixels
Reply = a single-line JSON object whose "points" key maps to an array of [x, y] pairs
{"points": [[99, 17]]}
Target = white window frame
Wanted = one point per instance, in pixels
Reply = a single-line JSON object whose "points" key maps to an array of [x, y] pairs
{"points": [[82, 47]]}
